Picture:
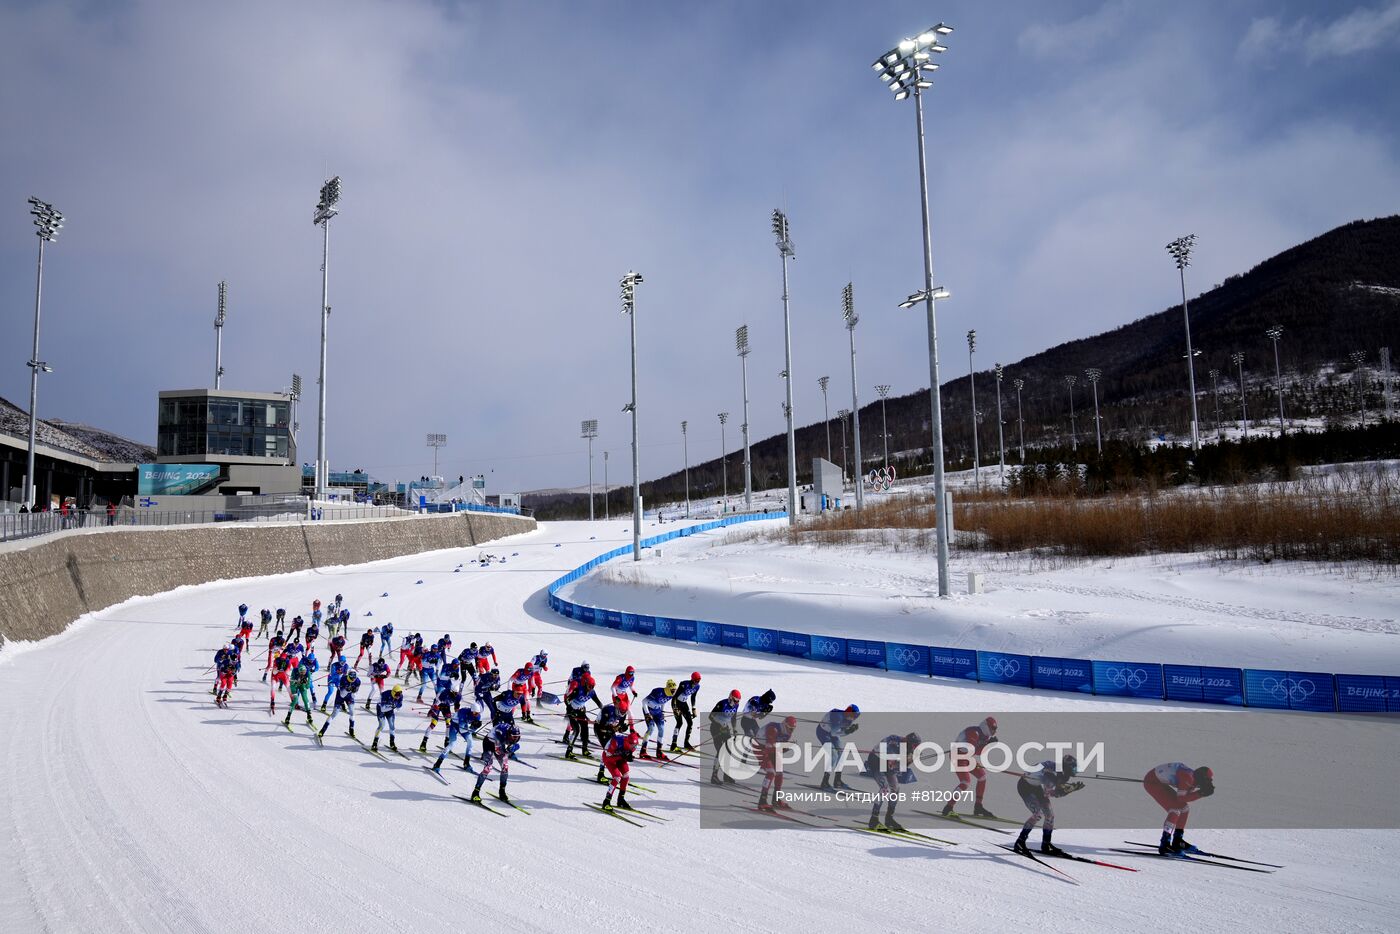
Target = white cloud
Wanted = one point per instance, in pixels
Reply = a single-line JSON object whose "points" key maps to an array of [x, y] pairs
{"points": [[1362, 30], [1075, 38]]}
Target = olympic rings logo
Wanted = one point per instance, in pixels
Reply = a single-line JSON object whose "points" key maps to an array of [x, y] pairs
{"points": [[908, 657], [1130, 678], [763, 640], [1294, 690], [1004, 667], [709, 632], [880, 479], [831, 649]]}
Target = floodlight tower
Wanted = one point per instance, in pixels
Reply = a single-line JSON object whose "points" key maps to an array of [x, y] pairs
{"points": [[1180, 250], [1095, 374], [884, 391], [1237, 359], [47, 222], [219, 318], [972, 389], [741, 343], [841, 416], [685, 456], [822, 383], [325, 210], [1273, 334], [1070, 382], [295, 396], [629, 308], [588, 430], [436, 442], [848, 312], [1018, 384], [606, 489], [784, 243], [906, 69], [1001, 440], [724, 460], [1215, 391]]}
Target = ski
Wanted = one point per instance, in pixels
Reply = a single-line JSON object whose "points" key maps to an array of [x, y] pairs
{"points": [[1086, 859], [630, 785], [611, 812], [481, 804], [522, 810], [891, 835], [957, 819], [771, 812], [1036, 859], [995, 820], [1198, 852], [374, 752], [1182, 857], [662, 763], [641, 813], [435, 774]]}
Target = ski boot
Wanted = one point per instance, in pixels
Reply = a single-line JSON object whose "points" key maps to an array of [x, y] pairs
{"points": [[502, 794], [607, 801], [674, 747], [839, 783], [763, 804], [323, 708], [893, 825], [715, 779], [309, 721], [423, 746], [1020, 846], [874, 822], [350, 732], [528, 719], [569, 755], [622, 803], [948, 809], [322, 730], [689, 747], [374, 745], [1048, 848], [1179, 844], [287, 720], [826, 782], [392, 746], [476, 795], [979, 811]]}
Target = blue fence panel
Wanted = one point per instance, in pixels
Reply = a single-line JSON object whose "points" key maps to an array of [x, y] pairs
{"points": [[952, 663], [796, 644], [734, 637], [828, 649], [1128, 679], [629, 622], [1368, 694], [685, 630], [1004, 668], [646, 625], [1289, 690], [708, 633], [612, 619], [1204, 684], [911, 659], [1062, 674], [762, 640], [865, 653], [585, 613], [665, 627]]}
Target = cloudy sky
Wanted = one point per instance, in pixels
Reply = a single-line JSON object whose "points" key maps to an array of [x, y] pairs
{"points": [[505, 163]]}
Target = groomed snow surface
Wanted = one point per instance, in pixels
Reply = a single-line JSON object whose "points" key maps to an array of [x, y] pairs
{"points": [[130, 803]]}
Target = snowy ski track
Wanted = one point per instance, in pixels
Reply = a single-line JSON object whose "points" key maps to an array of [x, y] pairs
{"points": [[131, 803]]}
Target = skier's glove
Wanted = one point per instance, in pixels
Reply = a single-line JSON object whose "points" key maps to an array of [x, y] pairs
{"points": [[1205, 791], [1072, 786]]}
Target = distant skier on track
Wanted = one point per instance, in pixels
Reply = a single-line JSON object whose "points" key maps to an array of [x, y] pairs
{"points": [[464, 723], [1174, 785], [683, 706], [344, 699], [754, 711], [654, 713], [389, 703], [610, 721], [616, 756], [1036, 789], [831, 733], [774, 735], [888, 763], [978, 738], [498, 748], [299, 695], [334, 673], [722, 723]]}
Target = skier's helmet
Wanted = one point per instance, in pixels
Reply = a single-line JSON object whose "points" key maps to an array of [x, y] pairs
{"points": [[695, 677], [584, 667], [630, 670], [852, 712], [1069, 765], [670, 687], [911, 742], [735, 695], [790, 722], [397, 691], [512, 733], [1204, 777], [529, 667], [989, 726]]}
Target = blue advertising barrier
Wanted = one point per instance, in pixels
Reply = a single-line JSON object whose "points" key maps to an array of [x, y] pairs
{"points": [[1062, 674], [865, 653], [1368, 694], [946, 662], [909, 659], [1290, 690], [1004, 668], [828, 649], [796, 644], [1269, 689]]}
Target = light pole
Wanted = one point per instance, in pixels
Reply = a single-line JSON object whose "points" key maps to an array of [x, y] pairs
{"points": [[436, 442], [826, 413], [741, 343], [325, 210], [1020, 384], [1070, 382], [606, 489], [629, 308], [841, 416], [48, 223], [884, 390], [1358, 359], [1180, 249], [1094, 373], [972, 391], [784, 243], [904, 68], [1215, 391], [685, 455], [1001, 440], [848, 311], [219, 319], [588, 430], [295, 396], [1237, 359], [724, 460], [1273, 334]]}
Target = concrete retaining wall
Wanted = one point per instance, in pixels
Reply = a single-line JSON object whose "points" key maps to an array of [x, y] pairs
{"points": [[46, 586]]}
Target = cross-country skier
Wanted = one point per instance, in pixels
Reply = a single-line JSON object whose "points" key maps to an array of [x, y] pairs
{"points": [[541, 664], [222, 654], [386, 639], [498, 748], [315, 604], [774, 734], [281, 668], [294, 651], [344, 699], [227, 669], [684, 705], [405, 649], [242, 611], [449, 699], [366, 642], [464, 723], [274, 649], [294, 633], [616, 756], [836, 725], [312, 663], [486, 658], [610, 722], [654, 713], [389, 701], [977, 738], [378, 674], [336, 643], [520, 683], [485, 691], [334, 672], [343, 619], [503, 707], [264, 620], [415, 658], [754, 711], [623, 693], [312, 632], [1174, 785], [581, 690], [299, 695], [722, 720], [245, 629], [1051, 780], [339, 601], [888, 763], [428, 670]]}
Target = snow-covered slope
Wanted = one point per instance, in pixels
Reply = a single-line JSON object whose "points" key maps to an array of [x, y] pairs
{"points": [[128, 802]]}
